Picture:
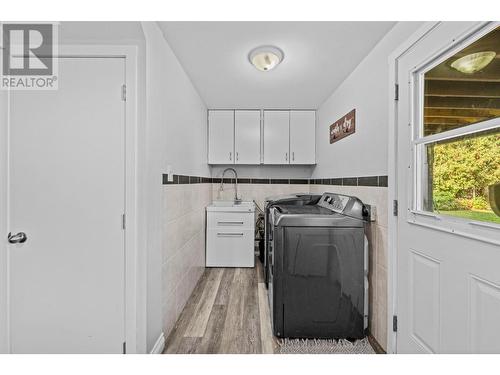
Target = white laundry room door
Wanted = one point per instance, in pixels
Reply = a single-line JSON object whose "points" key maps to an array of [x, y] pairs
{"points": [[66, 196], [448, 170]]}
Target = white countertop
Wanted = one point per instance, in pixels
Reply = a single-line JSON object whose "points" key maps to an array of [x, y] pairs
{"points": [[232, 206]]}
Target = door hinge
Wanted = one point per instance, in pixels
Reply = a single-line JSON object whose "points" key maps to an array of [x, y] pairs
{"points": [[124, 347], [123, 221], [124, 92], [396, 92], [395, 207], [394, 323]]}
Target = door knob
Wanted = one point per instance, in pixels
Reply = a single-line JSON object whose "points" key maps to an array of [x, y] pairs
{"points": [[17, 238]]}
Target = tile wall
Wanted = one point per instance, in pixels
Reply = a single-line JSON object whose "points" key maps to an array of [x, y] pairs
{"points": [[183, 245]]}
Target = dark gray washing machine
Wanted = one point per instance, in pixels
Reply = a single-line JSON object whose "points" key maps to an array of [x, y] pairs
{"points": [[318, 284], [296, 199]]}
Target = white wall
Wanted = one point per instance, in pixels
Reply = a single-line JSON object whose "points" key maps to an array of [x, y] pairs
{"points": [[365, 89], [176, 108], [175, 135], [99, 33]]}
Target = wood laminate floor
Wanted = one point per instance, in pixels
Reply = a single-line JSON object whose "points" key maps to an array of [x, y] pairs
{"points": [[227, 313]]}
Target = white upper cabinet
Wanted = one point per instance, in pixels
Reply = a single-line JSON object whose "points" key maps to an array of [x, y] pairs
{"points": [[302, 137], [287, 137], [247, 137], [220, 137], [276, 137]]}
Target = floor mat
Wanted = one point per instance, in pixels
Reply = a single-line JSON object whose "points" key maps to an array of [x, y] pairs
{"points": [[313, 346]]}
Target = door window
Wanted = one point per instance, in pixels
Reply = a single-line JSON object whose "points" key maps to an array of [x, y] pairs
{"points": [[457, 145]]}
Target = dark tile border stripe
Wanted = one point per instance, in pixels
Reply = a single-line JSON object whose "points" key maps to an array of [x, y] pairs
{"points": [[383, 181], [376, 181], [299, 181], [350, 181], [368, 181], [280, 181], [184, 180], [260, 180], [336, 181]]}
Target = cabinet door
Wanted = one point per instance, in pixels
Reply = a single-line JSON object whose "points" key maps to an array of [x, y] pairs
{"points": [[276, 137], [221, 137], [247, 137], [302, 137]]}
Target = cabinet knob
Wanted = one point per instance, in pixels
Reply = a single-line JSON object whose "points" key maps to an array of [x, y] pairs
{"points": [[286, 156], [230, 156]]}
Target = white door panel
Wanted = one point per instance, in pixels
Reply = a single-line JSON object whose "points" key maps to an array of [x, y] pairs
{"points": [[484, 307], [276, 137], [448, 282], [67, 194], [220, 137], [247, 137], [302, 137]]}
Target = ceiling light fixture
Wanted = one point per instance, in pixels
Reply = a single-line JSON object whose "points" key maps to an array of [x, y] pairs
{"points": [[265, 58], [474, 62]]}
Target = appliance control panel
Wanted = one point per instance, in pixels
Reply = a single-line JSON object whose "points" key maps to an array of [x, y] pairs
{"points": [[334, 202]]}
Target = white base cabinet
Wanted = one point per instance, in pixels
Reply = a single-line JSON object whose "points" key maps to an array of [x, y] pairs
{"points": [[230, 239]]}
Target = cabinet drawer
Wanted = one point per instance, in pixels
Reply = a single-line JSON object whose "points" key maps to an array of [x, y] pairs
{"points": [[230, 248], [230, 220]]}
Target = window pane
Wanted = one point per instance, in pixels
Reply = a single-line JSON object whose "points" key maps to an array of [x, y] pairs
{"points": [[464, 89], [460, 176]]}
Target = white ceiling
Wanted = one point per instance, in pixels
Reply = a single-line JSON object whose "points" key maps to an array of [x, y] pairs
{"points": [[318, 57]]}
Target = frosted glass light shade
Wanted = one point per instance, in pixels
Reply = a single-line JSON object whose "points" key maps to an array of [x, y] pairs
{"points": [[265, 58], [474, 62]]}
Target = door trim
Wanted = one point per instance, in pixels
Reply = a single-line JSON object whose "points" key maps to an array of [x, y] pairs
{"points": [[421, 33], [135, 271]]}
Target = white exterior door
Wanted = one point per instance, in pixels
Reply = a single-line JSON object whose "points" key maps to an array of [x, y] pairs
{"points": [[221, 137], [66, 193], [247, 137], [448, 275], [302, 137], [276, 137]]}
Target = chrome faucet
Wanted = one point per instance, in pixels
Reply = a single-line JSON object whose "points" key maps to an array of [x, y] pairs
{"points": [[221, 188]]}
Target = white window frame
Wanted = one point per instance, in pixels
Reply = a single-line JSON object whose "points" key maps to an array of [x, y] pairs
{"points": [[479, 230]]}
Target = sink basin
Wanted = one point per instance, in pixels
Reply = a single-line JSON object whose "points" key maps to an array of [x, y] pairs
{"points": [[232, 206]]}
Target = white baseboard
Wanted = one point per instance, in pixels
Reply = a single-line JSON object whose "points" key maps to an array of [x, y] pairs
{"points": [[159, 345]]}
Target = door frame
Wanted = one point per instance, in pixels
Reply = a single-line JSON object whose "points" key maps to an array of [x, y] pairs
{"points": [[135, 272], [392, 286]]}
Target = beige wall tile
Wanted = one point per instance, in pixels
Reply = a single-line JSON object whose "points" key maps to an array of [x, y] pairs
{"points": [[173, 238], [381, 303], [169, 313], [382, 246], [183, 245], [172, 196], [381, 336]]}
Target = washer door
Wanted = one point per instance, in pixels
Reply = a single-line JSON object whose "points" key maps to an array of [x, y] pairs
{"points": [[323, 287]]}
